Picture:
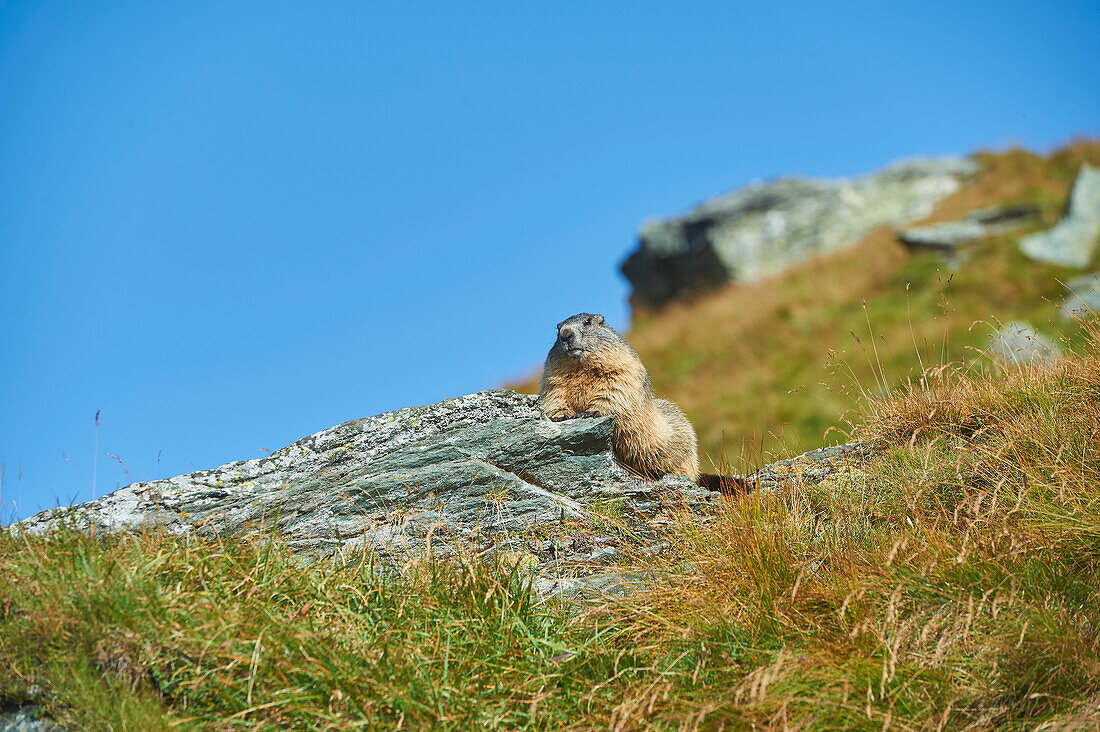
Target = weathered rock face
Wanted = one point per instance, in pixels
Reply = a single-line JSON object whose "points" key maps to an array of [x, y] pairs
{"points": [[810, 467], [484, 472], [764, 229], [472, 468], [1082, 297], [1019, 343], [1073, 241]]}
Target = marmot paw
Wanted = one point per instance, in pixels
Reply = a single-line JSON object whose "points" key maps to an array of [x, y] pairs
{"points": [[590, 414]]}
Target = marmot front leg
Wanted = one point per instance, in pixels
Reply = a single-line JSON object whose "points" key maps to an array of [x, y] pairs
{"points": [[554, 406]]}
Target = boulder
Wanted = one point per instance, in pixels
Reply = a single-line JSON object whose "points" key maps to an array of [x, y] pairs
{"points": [[948, 238], [944, 238], [1018, 343], [480, 473], [766, 228], [471, 469], [1082, 297], [29, 718], [1073, 241], [810, 467]]}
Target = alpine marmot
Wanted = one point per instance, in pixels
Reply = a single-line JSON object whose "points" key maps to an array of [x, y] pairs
{"points": [[592, 371]]}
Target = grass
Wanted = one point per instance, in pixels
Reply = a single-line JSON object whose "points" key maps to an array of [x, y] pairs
{"points": [[237, 634], [606, 512], [948, 582]]}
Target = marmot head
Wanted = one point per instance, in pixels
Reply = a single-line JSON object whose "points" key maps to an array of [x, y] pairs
{"points": [[583, 335]]}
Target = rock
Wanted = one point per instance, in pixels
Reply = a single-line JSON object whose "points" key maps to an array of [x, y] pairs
{"points": [[1019, 343], [603, 554], [1073, 241], [596, 587], [1082, 297], [810, 467], [947, 238], [473, 472], [764, 229], [942, 237], [26, 719], [483, 473]]}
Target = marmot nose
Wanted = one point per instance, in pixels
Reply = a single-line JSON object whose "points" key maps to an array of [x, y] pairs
{"points": [[567, 335]]}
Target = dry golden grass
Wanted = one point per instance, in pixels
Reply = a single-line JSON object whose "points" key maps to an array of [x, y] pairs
{"points": [[949, 582]]}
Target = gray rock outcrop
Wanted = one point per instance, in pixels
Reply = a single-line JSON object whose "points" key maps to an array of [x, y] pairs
{"points": [[810, 467], [470, 469], [1082, 297], [1018, 343], [764, 229], [949, 238], [1073, 241], [480, 473], [26, 719]]}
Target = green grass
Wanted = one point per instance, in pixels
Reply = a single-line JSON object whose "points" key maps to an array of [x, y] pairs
{"points": [[237, 633]]}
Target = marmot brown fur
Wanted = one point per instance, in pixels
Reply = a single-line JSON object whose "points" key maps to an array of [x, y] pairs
{"points": [[592, 371]]}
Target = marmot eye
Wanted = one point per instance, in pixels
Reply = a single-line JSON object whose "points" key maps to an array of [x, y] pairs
{"points": [[588, 321]]}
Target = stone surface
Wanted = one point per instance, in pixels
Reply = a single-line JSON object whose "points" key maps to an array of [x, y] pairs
{"points": [[1073, 241], [468, 469], [484, 473], [1082, 297], [1019, 343], [764, 229], [26, 719], [942, 237], [948, 237], [811, 467]]}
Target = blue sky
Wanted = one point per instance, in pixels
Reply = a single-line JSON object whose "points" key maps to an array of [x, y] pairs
{"points": [[230, 225]]}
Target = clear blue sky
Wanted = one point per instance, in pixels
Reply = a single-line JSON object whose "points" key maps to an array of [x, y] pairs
{"points": [[230, 225]]}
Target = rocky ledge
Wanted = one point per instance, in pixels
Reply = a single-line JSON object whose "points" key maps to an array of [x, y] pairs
{"points": [[764, 229], [483, 473], [951, 238]]}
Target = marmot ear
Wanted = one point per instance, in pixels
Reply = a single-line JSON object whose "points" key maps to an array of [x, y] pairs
{"points": [[559, 325], [599, 320]]}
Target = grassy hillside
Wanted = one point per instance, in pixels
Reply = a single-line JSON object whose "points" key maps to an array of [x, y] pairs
{"points": [[769, 368], [949, 582]]}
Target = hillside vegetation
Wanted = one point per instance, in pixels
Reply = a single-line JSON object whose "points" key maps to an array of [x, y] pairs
{"points": [[948, 581], [770, 368]]}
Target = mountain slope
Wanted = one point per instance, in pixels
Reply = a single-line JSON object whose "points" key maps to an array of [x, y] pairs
{"points": [[947, 582], [768, 368]]}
